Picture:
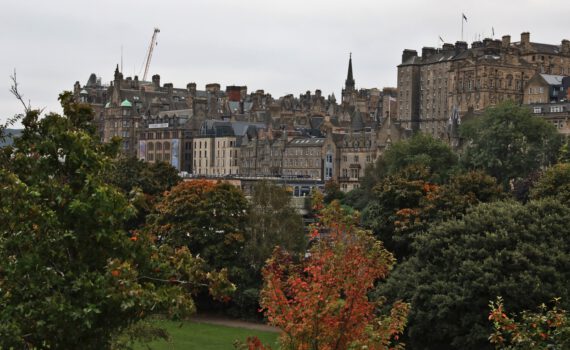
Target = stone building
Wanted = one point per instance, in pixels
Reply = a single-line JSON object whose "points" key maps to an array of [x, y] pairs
{"points": [[167, 138], [457, 79], [216, 149], [548, 97], [120, 106], [303, 158]]}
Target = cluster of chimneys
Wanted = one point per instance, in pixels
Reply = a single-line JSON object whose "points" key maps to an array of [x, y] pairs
{"points": [[461, 46]]}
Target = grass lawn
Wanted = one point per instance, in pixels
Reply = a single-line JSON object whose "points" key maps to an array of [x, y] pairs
{"points": [[206, 337]]}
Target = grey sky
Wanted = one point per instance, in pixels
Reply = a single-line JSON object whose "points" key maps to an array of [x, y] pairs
{"points": [[280, 46]]}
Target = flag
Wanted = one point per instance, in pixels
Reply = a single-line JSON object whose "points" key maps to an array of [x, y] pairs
{"points": [[493, 29], [391, 99], [441, 39], [464, 17]]}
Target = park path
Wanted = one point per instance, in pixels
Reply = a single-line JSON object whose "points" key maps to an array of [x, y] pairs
{"points": [[229, 322]]}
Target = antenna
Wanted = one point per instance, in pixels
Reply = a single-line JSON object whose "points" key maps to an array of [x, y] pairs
{"points": [[121, 57]]}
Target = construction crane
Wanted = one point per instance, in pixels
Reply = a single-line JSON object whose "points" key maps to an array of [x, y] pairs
{"points": [[149, 54]]}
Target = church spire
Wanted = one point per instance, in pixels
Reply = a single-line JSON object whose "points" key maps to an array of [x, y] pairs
{"points": [[349, 83]]}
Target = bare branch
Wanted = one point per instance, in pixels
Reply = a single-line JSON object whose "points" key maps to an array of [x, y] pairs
{"points": [[14, 90]]}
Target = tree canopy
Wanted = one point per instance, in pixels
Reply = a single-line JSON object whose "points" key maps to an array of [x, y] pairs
{"points": [[508, 142], [321, 301], [70, 275], [207, 217], [516, 251], [421, 150]]}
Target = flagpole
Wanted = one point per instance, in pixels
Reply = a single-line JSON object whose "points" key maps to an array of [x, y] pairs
{"points": [[462, 27]]}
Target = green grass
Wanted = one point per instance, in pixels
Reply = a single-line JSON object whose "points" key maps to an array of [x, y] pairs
{"points": [[206, 337]]}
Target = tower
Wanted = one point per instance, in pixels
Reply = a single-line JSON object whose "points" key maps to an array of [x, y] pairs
{"points": [[349, 91]]}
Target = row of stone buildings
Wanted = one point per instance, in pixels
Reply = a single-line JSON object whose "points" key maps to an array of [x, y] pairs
{"points": [[217, 133], [233, 133], [446, 84]]}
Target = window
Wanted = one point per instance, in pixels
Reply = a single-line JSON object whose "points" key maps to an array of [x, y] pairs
{"points": [[537, 110], [556, 109]]}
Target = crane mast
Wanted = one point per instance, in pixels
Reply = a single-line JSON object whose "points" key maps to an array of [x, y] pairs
{"points": [[149, 54]]}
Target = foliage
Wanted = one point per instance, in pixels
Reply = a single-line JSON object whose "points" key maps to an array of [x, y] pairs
{"points": [[421, 151], [522, 187], [321, 302], [507, 142], [332, 191], [70, 275], [555, 182], [397, 197], [502, 248], [151, 178], [546, 329], [272, 222], [207, 217], [406, 204], [143, 182], [358, 198]]}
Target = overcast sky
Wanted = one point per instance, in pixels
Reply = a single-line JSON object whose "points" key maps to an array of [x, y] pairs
{"points": [[287, 46]]}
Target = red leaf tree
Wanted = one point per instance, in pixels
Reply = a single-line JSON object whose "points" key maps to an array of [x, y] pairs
{"points": [[322, 301]]}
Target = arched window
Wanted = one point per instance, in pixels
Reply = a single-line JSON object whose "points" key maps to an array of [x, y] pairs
{"points": [[166, 146], [150, 146], [158, 146]]}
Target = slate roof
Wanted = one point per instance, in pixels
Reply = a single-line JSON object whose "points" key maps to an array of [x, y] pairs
{"points": [[552, 79], [307, 142]]}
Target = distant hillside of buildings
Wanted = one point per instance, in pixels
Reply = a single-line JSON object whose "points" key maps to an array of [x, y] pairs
{"points": [[10, 135]]}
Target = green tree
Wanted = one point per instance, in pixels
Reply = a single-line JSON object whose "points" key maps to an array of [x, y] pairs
{"points": [[209, 218], [272, 222], [508, 142], [332, 191], [70, 276], [504, 248], [395, 196], [152, 179], [554, 182], [421, 150], [144, 183]]}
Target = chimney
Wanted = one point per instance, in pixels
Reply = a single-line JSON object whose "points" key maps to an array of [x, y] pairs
{"points": [[477, 44], [565, 47], [506, 41], [407, 54], [448, 47], [213, 88], [525, 39], [156, 80], [169, 87], [191, 87], [234, 93], [460, 46], [427, 52]]}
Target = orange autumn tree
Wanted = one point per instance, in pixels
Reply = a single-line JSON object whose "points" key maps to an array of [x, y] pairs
{"points": [[322, 301]]}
